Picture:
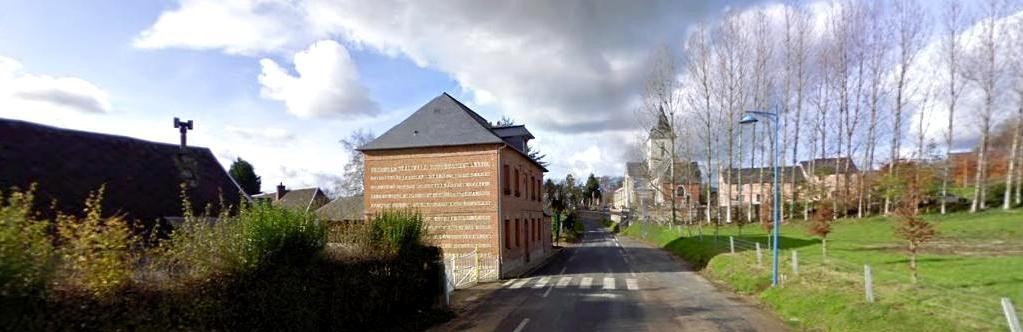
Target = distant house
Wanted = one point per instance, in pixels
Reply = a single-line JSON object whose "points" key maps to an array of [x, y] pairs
{"points": [[305, 199], [474, 183], [828, 174], [343, 209], [143, 180], [756, 185]]}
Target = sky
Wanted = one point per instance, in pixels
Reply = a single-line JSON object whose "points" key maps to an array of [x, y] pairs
{"points": [[280, 82]]}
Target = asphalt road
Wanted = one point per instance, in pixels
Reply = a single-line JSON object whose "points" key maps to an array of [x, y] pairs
{"points": [[606, 283]]}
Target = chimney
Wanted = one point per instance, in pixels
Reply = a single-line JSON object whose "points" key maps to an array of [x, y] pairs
{"points": [[280, 191]]}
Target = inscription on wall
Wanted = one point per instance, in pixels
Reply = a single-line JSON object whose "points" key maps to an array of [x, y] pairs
{"points": [[455, 196]]}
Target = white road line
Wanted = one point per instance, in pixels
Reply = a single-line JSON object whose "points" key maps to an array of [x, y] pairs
{"points": [[506, 283], [543, 282], [631, 284], [563, 282], [522, 325], [585, 283], [609, 283], [548, 292], [563, 270], [519, 284]]}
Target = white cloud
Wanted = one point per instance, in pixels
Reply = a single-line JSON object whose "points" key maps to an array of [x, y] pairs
{"points": [[327, 83], [26, 92], [234, 26]]}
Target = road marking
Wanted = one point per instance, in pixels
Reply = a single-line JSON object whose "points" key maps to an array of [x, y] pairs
{"points": [[631, 284], [506, 283], [522, 325], [585, 283], [563, 270], [563, 282], [519, 284], [543, 282], [548, 292], [609, 283]]}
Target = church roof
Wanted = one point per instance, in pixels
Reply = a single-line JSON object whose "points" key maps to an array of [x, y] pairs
{"points": [[662, 129], [445, 121], [142, 179]]}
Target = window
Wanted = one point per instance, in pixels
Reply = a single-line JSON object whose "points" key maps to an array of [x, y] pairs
{"points": [[518, 185], [539, 191], [517, 242], [536, 230], [532, 190], [504, 180], [507, 234], [526, 231]]}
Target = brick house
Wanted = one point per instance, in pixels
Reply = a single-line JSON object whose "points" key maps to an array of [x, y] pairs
{"points": [[474, 183]]}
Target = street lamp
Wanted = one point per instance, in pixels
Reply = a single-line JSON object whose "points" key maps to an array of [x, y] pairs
{"points": [[751, 117]]}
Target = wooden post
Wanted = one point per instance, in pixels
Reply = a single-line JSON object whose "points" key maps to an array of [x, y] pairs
{"points": [[868, 282], [1010, 315], [759, 255], [731, 243], [795, 262]]}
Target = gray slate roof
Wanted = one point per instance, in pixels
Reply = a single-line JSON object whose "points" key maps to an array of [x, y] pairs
{"points": [[443, 121], [306, 199], [343, 209], [829, 166], [752, 175], [685, 172]]}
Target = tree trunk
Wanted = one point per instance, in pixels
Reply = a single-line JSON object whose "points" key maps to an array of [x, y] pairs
{"points": [[1007, 201]]}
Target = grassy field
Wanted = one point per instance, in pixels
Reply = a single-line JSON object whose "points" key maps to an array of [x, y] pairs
{"points": [[974, 261]]}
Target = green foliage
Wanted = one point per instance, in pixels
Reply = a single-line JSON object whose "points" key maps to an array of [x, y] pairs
{"points": [[96, 251], [396, 231], [243, 173], [26, 254]]}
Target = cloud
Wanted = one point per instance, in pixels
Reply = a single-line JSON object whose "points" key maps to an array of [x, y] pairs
{"points": [[24, 92], [234, 26], [327, 83], [567, 66]]}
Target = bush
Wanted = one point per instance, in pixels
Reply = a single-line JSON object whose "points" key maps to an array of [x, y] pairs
{"points": [[395, 231], [95, 251], [26, 254]]}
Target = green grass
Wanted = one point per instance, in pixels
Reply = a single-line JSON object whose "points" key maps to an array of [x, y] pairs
{"points": [[975, 260]]}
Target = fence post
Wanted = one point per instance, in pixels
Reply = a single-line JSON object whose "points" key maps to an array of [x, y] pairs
{"points": [[476, 267], [759, 255], [731, 243], [868, 283], [795, 262], [1010, 315]]}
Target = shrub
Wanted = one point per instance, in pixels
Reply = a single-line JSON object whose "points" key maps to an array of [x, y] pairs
{"points": [[394, 231], [273, 234], [96, 251], [26, 254]]}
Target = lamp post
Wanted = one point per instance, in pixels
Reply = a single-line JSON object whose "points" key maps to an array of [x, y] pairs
{"points": [[751, 117]]}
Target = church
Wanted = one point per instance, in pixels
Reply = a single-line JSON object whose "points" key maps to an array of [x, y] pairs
{"points": [[648, 183]]}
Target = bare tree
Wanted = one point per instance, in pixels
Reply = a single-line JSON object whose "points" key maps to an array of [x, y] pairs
{"points": [[699, 71], [984, 67], [951, 54], [797, 49], [731, 48], [353, 171], [909, 38], [661, 101], [1016, 64]]}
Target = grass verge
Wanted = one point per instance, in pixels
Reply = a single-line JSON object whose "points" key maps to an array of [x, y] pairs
{"points": [[972, 264]]}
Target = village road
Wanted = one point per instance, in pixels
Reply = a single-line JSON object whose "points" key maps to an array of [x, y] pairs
{"points": [[608, 283]]}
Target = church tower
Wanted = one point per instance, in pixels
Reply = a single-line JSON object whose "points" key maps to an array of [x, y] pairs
{"points": [[659, 145]]}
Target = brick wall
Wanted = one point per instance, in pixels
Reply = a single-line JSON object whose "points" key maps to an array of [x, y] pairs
{"points": [[460, 192]]}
